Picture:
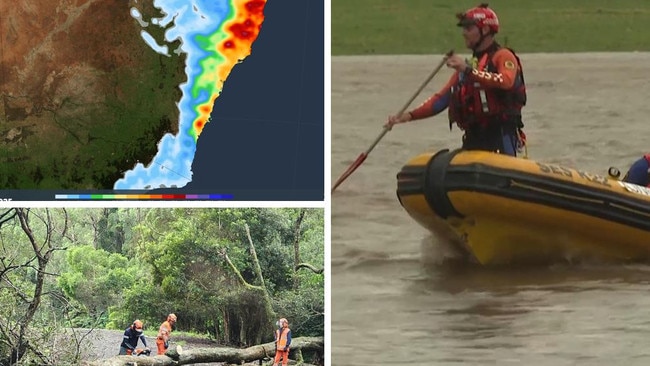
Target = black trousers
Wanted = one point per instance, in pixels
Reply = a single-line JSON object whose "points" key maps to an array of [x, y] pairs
{"points": [[501, 138]]}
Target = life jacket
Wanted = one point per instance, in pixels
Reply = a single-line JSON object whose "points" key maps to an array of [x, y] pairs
{"points": [[471, 104], [647, 159], [281, 338], [165, 330]]}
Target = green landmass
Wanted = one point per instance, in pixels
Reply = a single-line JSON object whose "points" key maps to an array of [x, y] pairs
{"points": [[362, 27], [67, 142]]}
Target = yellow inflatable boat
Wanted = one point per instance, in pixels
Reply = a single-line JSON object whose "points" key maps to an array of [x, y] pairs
{"points": [[499, 209]]}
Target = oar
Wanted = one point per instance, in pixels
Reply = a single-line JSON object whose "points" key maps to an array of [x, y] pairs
{"points": [[362, 157]]}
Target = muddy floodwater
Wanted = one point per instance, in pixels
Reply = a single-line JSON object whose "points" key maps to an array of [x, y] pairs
{"points": [[393, 302]]}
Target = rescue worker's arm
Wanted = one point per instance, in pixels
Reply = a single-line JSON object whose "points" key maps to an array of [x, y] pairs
{"points": [[432, 106], [504, 78], [436, 103], [288, 341], [143, 339]]}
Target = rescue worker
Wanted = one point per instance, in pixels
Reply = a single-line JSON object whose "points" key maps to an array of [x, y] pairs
{"points": [[164, 334], [282, 343], [484, 97], [639, 172], [130, 338]]}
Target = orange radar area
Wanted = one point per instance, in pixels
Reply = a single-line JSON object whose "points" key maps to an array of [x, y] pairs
{"points": [[200, 122], [241, 31]]}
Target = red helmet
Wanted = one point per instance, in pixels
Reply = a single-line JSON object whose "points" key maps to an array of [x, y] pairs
{"points": [[480, 16], [137, 325]]}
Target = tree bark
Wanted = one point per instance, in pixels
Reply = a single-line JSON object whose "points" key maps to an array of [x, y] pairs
{"points": [[17, 335], [43, 255], [242, 331], [226, 327], [296, 247], [241, 278], [217, 333], [268, 304], [310, 267], [176, 356]]}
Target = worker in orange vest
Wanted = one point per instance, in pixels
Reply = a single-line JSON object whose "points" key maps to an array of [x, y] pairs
{"points": [[282, 343], [164, 333]]}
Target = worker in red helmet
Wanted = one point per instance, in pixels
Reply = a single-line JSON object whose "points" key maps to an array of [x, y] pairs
{"points": [[485, 95], [164, 333], [131, 336]]}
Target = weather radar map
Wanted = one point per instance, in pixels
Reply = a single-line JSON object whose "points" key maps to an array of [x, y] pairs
{"points": [[211, 98]]}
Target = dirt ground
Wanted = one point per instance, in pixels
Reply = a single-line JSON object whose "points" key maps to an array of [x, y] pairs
{"points": [[587, 111], [102, 343]]}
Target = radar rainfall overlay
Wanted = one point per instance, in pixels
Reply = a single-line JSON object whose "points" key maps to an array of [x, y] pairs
{"points": [[222, 97]]}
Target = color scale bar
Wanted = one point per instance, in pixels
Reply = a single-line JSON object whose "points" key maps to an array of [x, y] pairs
{"points": [[143, 196]]}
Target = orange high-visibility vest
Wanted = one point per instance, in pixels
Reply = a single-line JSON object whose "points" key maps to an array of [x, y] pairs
{"points": [[165, 330], [281, 338]]}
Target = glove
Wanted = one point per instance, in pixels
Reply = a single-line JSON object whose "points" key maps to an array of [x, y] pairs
{"points": [[286, 348]]}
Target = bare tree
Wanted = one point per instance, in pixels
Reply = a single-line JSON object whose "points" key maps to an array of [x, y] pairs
{"points": [[16, 332]]}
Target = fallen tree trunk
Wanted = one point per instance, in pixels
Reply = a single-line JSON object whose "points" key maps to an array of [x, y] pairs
{"points": [[177, 356]]}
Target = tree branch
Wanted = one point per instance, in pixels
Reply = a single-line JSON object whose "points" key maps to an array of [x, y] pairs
{"points": [[21, 345], [65, 223], [258, 269], [267, 297], [4, 219], [18, 291], [44, 272], [296, 246], [6, 267], [241, 278], [310, 267], [38, 354], [79, 341]]}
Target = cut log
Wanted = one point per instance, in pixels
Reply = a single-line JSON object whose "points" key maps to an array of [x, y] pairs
{"points": [[177, 356]]}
